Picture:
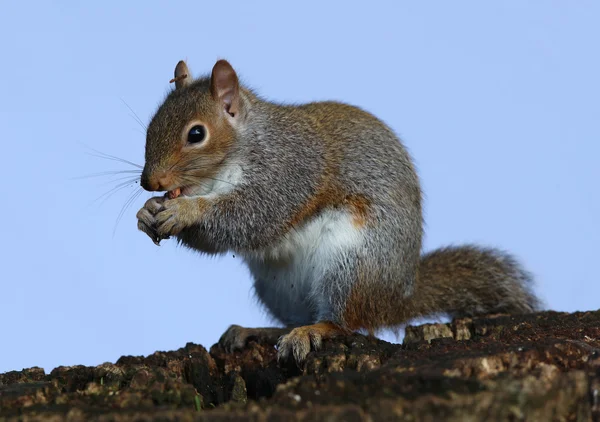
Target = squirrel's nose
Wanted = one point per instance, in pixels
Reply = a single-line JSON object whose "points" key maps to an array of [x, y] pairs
{"points": [[146, 184], [154, 182], [149, 183]]}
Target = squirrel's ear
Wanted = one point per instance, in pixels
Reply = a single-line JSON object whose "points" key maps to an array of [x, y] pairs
{"points": [[224, 87], [182, 75]]}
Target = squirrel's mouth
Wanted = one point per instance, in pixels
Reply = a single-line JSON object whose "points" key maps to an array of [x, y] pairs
{"points": [[184, 191], [172, 194]]}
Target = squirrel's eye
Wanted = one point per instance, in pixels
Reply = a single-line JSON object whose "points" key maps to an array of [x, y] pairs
{"points": [[196, 134]]}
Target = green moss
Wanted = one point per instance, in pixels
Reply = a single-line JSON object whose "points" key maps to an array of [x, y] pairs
{"points": [[198, 402]]}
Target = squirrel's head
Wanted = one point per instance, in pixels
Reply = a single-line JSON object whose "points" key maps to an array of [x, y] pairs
{"points": [[192, 132]]}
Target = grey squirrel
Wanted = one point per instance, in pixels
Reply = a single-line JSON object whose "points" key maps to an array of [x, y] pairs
{"points": [[322, 202]]}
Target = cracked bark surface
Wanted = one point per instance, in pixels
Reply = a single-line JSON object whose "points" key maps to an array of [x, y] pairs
{"points": [[538, 367]]}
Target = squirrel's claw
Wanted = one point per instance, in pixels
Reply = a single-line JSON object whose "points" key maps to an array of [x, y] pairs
{"points": [[300, 341], [157, 239]]}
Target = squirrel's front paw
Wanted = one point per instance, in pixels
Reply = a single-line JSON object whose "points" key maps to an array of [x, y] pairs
{"points": [[175, 215], [147, 218]]}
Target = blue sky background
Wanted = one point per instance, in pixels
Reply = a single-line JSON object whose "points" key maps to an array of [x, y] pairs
{"points": [[497, 101]]}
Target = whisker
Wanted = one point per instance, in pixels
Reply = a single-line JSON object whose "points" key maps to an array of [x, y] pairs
{"points": [[106, 173], [130, 179], [106, 195], [137, 118], [126, 206], [101, 154], [195, 182], [121, 160], [188, 169], [194, 179], [175, 163], [138, 130]]}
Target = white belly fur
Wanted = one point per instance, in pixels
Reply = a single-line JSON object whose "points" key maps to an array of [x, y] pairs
{"points": [[287, 274]]}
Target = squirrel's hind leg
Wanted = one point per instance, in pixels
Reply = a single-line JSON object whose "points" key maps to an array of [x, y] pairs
{"points": [[236, 337]]}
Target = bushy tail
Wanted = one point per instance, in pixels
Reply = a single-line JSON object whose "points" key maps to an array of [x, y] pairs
{"points": [[468, 280]]}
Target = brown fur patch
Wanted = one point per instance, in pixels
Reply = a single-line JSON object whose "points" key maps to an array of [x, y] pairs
{"points": [[371, 306], [330, 193], [325, 197], [358, 312], [359, 207], [329, 196]]}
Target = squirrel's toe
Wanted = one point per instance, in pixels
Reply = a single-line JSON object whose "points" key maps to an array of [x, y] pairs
{"points": [[298, 343], [301, 340]]}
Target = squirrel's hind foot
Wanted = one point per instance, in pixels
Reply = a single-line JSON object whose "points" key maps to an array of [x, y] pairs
{"points": [[300, 341]]}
